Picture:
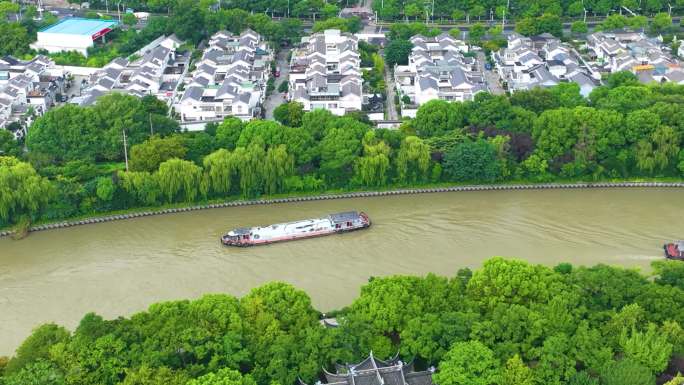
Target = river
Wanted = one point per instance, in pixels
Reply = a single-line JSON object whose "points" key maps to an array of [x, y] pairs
{"points": [[121, 267]]}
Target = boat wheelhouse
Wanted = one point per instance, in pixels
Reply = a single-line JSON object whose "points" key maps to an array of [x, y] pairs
{"points": [[674, 250], [308, 228]]}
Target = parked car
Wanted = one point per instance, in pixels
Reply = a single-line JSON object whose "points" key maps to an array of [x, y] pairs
{"points": [[277, 73]]}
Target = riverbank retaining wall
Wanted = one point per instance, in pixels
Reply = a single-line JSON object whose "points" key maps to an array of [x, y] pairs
{"points": [[360, 194]]}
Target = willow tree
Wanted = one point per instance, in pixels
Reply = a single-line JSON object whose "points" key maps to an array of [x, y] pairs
{"points": [[180, 179], [250, 163], [371, 169], [413, 160], [277, 166], [142, 185], [22, 190], [219, 170], [655, 152]]}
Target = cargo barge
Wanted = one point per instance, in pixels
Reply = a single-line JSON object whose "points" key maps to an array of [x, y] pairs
{"points": [[674, 250], [308, 228]]}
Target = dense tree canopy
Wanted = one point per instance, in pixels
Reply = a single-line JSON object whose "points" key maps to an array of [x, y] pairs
{"points": [[623, 130], [508, 323]]}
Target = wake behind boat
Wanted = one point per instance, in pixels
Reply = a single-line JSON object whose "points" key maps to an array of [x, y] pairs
{"points": [[308, 228]]}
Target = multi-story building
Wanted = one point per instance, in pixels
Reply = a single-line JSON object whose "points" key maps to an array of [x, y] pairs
{"points": [[27, 90], [229, 80], [156, 72], [438, 69], [325, 73]]}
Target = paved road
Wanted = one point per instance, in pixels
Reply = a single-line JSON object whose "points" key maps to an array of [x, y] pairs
{"points": [[277, 98], [390, 107], [491, 76]]}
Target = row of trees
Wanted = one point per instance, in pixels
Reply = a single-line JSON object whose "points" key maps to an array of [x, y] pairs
{"points": [[460, 10], [300, 8], [509, 322], [624, 129]]}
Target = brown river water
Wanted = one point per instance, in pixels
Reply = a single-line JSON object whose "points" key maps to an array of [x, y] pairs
{"points": [[119, 268]]}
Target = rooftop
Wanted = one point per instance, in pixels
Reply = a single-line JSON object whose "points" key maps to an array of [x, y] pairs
{"points": [[79, 26]]}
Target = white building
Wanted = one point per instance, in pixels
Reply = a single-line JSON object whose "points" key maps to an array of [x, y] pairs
{"points": [[635, 52], [73, 34], [229, 80], [437, 69], [27, 89], [156, 73], [541, 61], [325, 73]]}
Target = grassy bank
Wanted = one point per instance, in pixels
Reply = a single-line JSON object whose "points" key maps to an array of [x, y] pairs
{"points": [[162, 209]]}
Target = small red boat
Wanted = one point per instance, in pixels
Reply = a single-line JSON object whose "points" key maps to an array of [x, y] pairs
{"points": [[674, 250], [308, 228]]}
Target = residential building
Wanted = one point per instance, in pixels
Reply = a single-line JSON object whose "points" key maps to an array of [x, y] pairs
{"points": [[437, 69], [27, 90], [157, 72], [625, 50], [325, 73], [541, 61], [229, 80]]}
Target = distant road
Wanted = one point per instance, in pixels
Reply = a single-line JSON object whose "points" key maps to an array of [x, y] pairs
{"points": [[592, 22]]}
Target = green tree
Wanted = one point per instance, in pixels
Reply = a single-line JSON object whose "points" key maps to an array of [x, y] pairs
{"points": [[8, 145], [339, 150], [65, 133], [223, 377], [626, 372], [468, 363], [37, 346], [143, 186], [148, 155], [22, 191], [278, 165], [289, 114], [179, 180], [105, 189], [129, 19], [669, 273], [372, 168], [516, 372], [220, 169], [413, 160], [15, 39], [650, 348], [661, 23], [397, 52], [476, 32], [472, 161], [145, 375], [40, 372], [437, 117], [228, 132], [579, 27]]}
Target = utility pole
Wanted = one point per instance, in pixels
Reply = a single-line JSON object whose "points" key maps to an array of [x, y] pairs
{"points": [[151, 128], [585, 15], [125, 150], [107, 6], [433, 10], [669, 11]]}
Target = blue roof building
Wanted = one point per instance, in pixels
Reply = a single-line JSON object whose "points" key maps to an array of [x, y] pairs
{"points": [[73, 34]]}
